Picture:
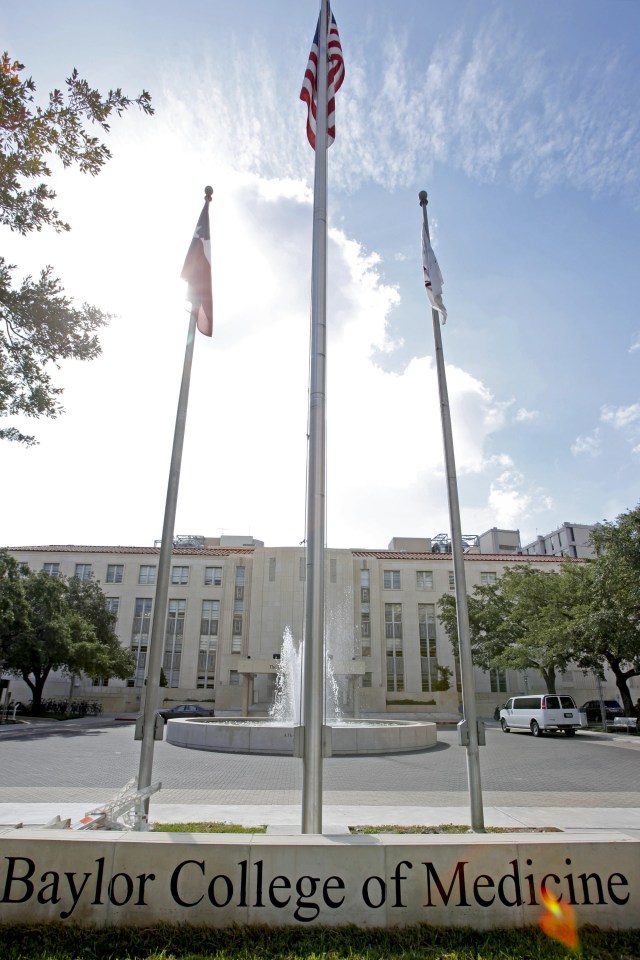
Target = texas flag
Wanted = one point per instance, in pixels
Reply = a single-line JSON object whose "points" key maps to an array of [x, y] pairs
{"points": [[197, 271]]}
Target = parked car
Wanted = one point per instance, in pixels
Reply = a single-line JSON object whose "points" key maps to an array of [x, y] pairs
{"points": [[184, 711], [593, 712], [541, 713]]}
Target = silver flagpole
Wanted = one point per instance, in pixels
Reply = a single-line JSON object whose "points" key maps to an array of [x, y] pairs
{"points": [[156, 646], [313, 669], [464, 639]]}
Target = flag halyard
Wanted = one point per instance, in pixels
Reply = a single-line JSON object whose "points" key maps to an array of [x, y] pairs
{"points": [[432, 276], [197, 272], [335, 76]]}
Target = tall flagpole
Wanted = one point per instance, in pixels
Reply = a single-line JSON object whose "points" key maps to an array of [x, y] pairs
{"points": [[464, 639], [313, 667], [156, 645]]}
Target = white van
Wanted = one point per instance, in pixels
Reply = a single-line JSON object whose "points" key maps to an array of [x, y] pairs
{"points": [[541, 713]]}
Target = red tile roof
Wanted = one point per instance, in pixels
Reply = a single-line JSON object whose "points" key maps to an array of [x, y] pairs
{"points": [[478, 557], [177, 551]]}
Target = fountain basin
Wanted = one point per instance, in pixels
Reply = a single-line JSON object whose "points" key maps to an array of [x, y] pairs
{"points": [[347, 738]]}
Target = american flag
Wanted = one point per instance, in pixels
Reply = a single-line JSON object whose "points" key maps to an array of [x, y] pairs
{"points": [[432, 276], [197, 271], [335, 76]]}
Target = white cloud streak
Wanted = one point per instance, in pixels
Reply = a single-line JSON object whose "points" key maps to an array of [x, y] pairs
{"points": [[588, 446]]}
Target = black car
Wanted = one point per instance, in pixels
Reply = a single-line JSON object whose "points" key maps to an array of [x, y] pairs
{"points": [[593, 712], [184, 711]]}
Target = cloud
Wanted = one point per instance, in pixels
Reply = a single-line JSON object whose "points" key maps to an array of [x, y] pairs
{"points": [[526, 416], [244, 462], [635, 345], [621, 417], [512, 500], [498, 104], [587, 446]]}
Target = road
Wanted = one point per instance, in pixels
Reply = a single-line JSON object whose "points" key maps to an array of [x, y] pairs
{"points": [[87, 762]]}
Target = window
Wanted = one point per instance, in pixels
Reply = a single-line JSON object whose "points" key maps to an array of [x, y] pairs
{"points": [[365, 614], [140, 639], [238, 609], [394, 658], [207, 663], [210, 618], [365, 593], [424, 580], [180, 576], [452, 582], [53, 569], [391, 579], [99, 682], [498, 680], [147, 574], [234, 678], [114, 572], [173, 641], [333, 571], [367, 679], [487, 577], [208, 644], [365, 630], [456, 666], [428, 651], [83, 571], [272, 569], [213, 576], [113, 605]]}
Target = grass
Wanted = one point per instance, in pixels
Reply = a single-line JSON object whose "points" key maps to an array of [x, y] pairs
{"points": [[213, 826], [422, 942], [216, 826], [452, 828]]}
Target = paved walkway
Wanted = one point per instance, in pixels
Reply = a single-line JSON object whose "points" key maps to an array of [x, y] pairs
{"points": [[262, 790]]}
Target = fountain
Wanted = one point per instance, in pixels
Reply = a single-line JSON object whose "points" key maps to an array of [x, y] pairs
{"points": [[281, 733]]}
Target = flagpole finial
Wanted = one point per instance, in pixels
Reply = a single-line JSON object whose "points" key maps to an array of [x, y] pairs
{"points": [[208, 193], [422, 197]]}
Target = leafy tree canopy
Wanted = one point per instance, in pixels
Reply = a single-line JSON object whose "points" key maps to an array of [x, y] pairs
{"points": [[39, 326], [517, 623], [54, 623], [606, 615]]}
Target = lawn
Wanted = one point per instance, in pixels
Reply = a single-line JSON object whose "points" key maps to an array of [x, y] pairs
{"points": [[416, 943]]}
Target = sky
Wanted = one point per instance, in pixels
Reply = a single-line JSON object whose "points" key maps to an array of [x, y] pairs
{"points": [[520, 121]]}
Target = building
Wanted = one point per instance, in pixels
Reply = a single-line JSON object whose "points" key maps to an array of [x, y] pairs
{"points": [[232, 598], [569, 540]]}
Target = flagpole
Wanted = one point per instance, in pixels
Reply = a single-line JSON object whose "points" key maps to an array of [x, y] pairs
{"points": [[313, 664], [156, 644], [464, 639]]}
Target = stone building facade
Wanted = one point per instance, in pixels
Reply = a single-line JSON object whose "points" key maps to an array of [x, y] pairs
{"points": [[231, 600]]}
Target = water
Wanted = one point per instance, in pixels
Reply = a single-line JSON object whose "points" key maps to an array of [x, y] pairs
{"points": [[287, 703]]}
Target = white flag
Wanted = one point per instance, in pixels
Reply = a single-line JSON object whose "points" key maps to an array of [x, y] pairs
{"points": [[432, 276]]}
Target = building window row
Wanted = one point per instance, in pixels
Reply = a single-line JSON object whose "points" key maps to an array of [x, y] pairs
{"points": [[391, 579], [146, 573]]}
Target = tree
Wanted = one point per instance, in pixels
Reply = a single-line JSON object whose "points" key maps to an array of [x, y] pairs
{"points": [[64, 624], [13, 605], [517, 623], [606, 620], [39, 326]]}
